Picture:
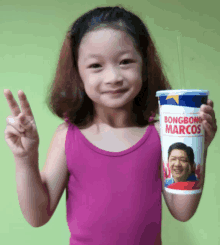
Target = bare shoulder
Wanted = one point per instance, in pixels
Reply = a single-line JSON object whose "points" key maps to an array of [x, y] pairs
{"points": [[63, 127]]}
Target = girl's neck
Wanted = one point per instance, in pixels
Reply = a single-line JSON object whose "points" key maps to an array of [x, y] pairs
{"points": [[114, 125]]}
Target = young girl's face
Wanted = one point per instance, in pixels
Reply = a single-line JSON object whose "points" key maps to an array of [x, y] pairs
{"points": [[117, 65]]}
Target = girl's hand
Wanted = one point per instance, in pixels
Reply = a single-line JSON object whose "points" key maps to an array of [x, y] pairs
{"points": [[21, 132], [207, 115]]}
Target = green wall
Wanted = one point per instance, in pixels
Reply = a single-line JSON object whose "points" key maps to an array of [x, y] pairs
{"points": [[31, 34]]}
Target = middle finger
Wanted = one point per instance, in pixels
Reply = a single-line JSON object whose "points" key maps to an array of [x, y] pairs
{"points": [[25, 106]]}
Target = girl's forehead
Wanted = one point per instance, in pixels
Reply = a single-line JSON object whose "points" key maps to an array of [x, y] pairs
{"points": [[106, 33], [102, 42]]}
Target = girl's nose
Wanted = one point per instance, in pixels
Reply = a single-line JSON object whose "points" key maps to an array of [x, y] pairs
{"points": [[113, 75]]}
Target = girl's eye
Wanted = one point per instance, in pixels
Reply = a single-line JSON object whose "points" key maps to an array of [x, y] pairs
{"points": [[93, 65], [128, 60]]}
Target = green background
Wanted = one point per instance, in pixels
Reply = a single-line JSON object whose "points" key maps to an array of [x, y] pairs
{"points": [[31, 35]]}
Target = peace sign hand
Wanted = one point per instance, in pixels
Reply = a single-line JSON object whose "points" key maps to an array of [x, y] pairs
{"points": [[21, 132]]}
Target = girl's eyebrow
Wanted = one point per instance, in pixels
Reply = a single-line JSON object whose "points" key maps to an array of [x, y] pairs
{"points": [[96, 55]]}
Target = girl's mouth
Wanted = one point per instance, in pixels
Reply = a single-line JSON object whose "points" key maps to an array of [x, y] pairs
{"points": [[117, 92]]}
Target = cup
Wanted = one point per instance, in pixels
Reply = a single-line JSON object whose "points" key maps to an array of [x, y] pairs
{"points": [[182, 139]]}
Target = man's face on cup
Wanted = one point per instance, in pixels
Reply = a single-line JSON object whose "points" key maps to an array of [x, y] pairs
{"points": [[179, 165]]}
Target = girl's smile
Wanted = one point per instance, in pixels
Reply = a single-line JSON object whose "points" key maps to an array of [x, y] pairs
{"points": [[117, 93]]}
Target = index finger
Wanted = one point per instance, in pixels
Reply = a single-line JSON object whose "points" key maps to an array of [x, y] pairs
{"points": [[13, 105], [25, 107]]}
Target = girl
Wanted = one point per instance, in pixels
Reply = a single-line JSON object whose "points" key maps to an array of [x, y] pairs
{"points": [[107, 155]]}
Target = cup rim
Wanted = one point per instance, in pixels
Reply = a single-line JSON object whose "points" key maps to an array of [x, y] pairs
{"points": [[182, 92]]}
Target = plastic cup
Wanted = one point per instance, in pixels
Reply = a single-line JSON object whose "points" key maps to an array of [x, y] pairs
{"points": [[182, 139]]}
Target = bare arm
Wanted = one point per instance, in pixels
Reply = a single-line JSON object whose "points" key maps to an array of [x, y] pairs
{"points": [[38, 192], [22, 138], [32, 195]]}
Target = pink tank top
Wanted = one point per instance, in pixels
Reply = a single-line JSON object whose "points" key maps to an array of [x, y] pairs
{"points": [[113, 198]]}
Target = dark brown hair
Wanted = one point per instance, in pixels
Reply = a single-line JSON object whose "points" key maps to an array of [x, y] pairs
{"points": [[66, 95]]}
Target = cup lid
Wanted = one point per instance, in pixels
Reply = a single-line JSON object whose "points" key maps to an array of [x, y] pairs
{"points": [[182, 92]]}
